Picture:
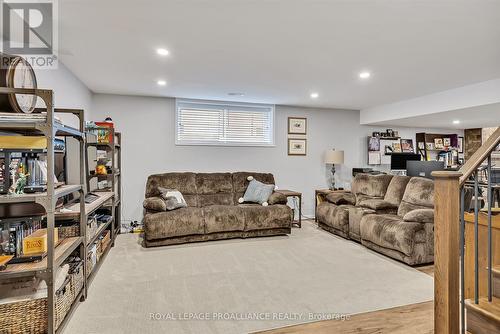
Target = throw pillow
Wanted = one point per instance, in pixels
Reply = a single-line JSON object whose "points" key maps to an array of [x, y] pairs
{"points": [[155, 204], [341, 198], [173, 198], [258, 192]]}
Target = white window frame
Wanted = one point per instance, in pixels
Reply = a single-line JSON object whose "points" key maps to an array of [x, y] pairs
{"points": [[179, 102]]}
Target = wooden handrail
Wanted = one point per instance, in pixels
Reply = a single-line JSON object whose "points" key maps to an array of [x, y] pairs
{"points": [[479, 156]]}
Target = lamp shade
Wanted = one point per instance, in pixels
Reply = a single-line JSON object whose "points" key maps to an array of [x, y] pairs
{"points": [[334, 157]]}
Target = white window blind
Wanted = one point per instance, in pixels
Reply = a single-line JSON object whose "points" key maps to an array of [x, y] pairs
{"points": [[221, 123]]}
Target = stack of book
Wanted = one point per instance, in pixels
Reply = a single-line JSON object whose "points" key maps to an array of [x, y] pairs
{"points": [[13, 233]]}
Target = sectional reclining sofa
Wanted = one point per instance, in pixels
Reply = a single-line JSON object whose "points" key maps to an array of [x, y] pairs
{"points": [[393, 215]]}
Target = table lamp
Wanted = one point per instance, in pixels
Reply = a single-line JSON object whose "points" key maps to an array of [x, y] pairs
{"points": [[334, 157]]}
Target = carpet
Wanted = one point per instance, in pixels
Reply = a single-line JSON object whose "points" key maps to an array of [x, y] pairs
{"points": [[240, 286]]}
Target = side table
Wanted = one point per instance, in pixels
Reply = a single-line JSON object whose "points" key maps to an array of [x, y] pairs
{"points": [[291, 193]]}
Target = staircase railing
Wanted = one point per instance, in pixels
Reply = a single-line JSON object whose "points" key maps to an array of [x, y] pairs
{"points": [[451, 189]]}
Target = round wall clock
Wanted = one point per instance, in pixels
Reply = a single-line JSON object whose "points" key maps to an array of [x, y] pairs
{"points": [[16, 72]]}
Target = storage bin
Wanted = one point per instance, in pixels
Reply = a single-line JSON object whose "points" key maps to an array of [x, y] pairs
{"points": [[30, 316]]}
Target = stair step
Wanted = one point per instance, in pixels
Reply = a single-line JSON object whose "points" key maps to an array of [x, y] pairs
{"points": [[496, 281], [483, 318]]}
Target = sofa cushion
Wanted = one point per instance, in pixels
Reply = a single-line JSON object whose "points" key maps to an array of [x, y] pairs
{"points": [[355, 215], [420, 216], [154, 204], [184, 221], [277, 198], [258, 217], [419, 194], [341, 197], [223, 218], [215, 199], [336, 216], [376, 204], [390, 231], [371, 185], [214, 183], [184, 182], [396, 189]]}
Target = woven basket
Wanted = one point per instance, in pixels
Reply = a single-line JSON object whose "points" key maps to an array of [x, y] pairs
{"points": [[64, 299], [77, 280], [30, 316]]}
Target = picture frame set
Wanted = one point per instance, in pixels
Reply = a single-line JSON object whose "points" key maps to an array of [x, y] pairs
{"points": [[297, 142]]}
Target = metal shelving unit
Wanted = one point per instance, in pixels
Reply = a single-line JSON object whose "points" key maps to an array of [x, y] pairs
{"points": [[45, 124], [113, 150]]}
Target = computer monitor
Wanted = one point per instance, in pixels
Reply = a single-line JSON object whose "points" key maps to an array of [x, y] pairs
{"points": [[399, 160], [423, 168]]}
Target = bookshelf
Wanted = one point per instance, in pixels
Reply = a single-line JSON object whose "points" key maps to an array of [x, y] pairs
{"points": [[43, 122]]}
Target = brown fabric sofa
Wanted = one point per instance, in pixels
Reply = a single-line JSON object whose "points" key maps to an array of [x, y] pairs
{"points": [[392, 215], [212, 211]]}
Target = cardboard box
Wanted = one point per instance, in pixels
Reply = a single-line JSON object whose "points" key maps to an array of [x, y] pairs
{"points": [[36, 243]]}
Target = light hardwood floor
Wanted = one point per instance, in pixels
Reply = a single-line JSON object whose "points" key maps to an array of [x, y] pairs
{"points": [[409, 319]]}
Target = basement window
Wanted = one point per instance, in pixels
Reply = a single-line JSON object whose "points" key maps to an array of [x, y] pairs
{"points": [[223, 123]]}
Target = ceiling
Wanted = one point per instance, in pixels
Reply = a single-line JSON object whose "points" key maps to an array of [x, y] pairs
{"points": [[281, 51], [469, 118]]}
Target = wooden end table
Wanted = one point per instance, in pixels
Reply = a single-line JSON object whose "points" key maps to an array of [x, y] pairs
{"points": [[291, 193]]}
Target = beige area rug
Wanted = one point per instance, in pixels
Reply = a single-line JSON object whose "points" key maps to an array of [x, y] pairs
{"points": [[242, 286]]}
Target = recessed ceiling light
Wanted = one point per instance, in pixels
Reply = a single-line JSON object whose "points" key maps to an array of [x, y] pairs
{"points": [[162, 52], [364, 75], [314, 95], [456, 121], [161, 82], [236, 94]]}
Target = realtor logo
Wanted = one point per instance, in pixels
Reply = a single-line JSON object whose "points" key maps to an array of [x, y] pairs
{"points": [[29, 29]]}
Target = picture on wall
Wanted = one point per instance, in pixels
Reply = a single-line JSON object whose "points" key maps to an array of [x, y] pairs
{"points": [[297, 125], [396, 147], [407, 145], [297, 146], [373, 144], [438, 143], [446, 142], [460, 145]]}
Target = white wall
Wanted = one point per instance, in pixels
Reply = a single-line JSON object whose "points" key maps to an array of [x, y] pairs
{"points": [[69, 92], [147, 125]]}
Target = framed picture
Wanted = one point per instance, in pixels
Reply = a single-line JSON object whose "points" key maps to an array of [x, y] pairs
{"points": [[429, 146], [297, 146], [421, 145], [407, 145], [374, 144], [447, 142], [460, 145], [297, 125], [396, 147], [438, 143]]}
